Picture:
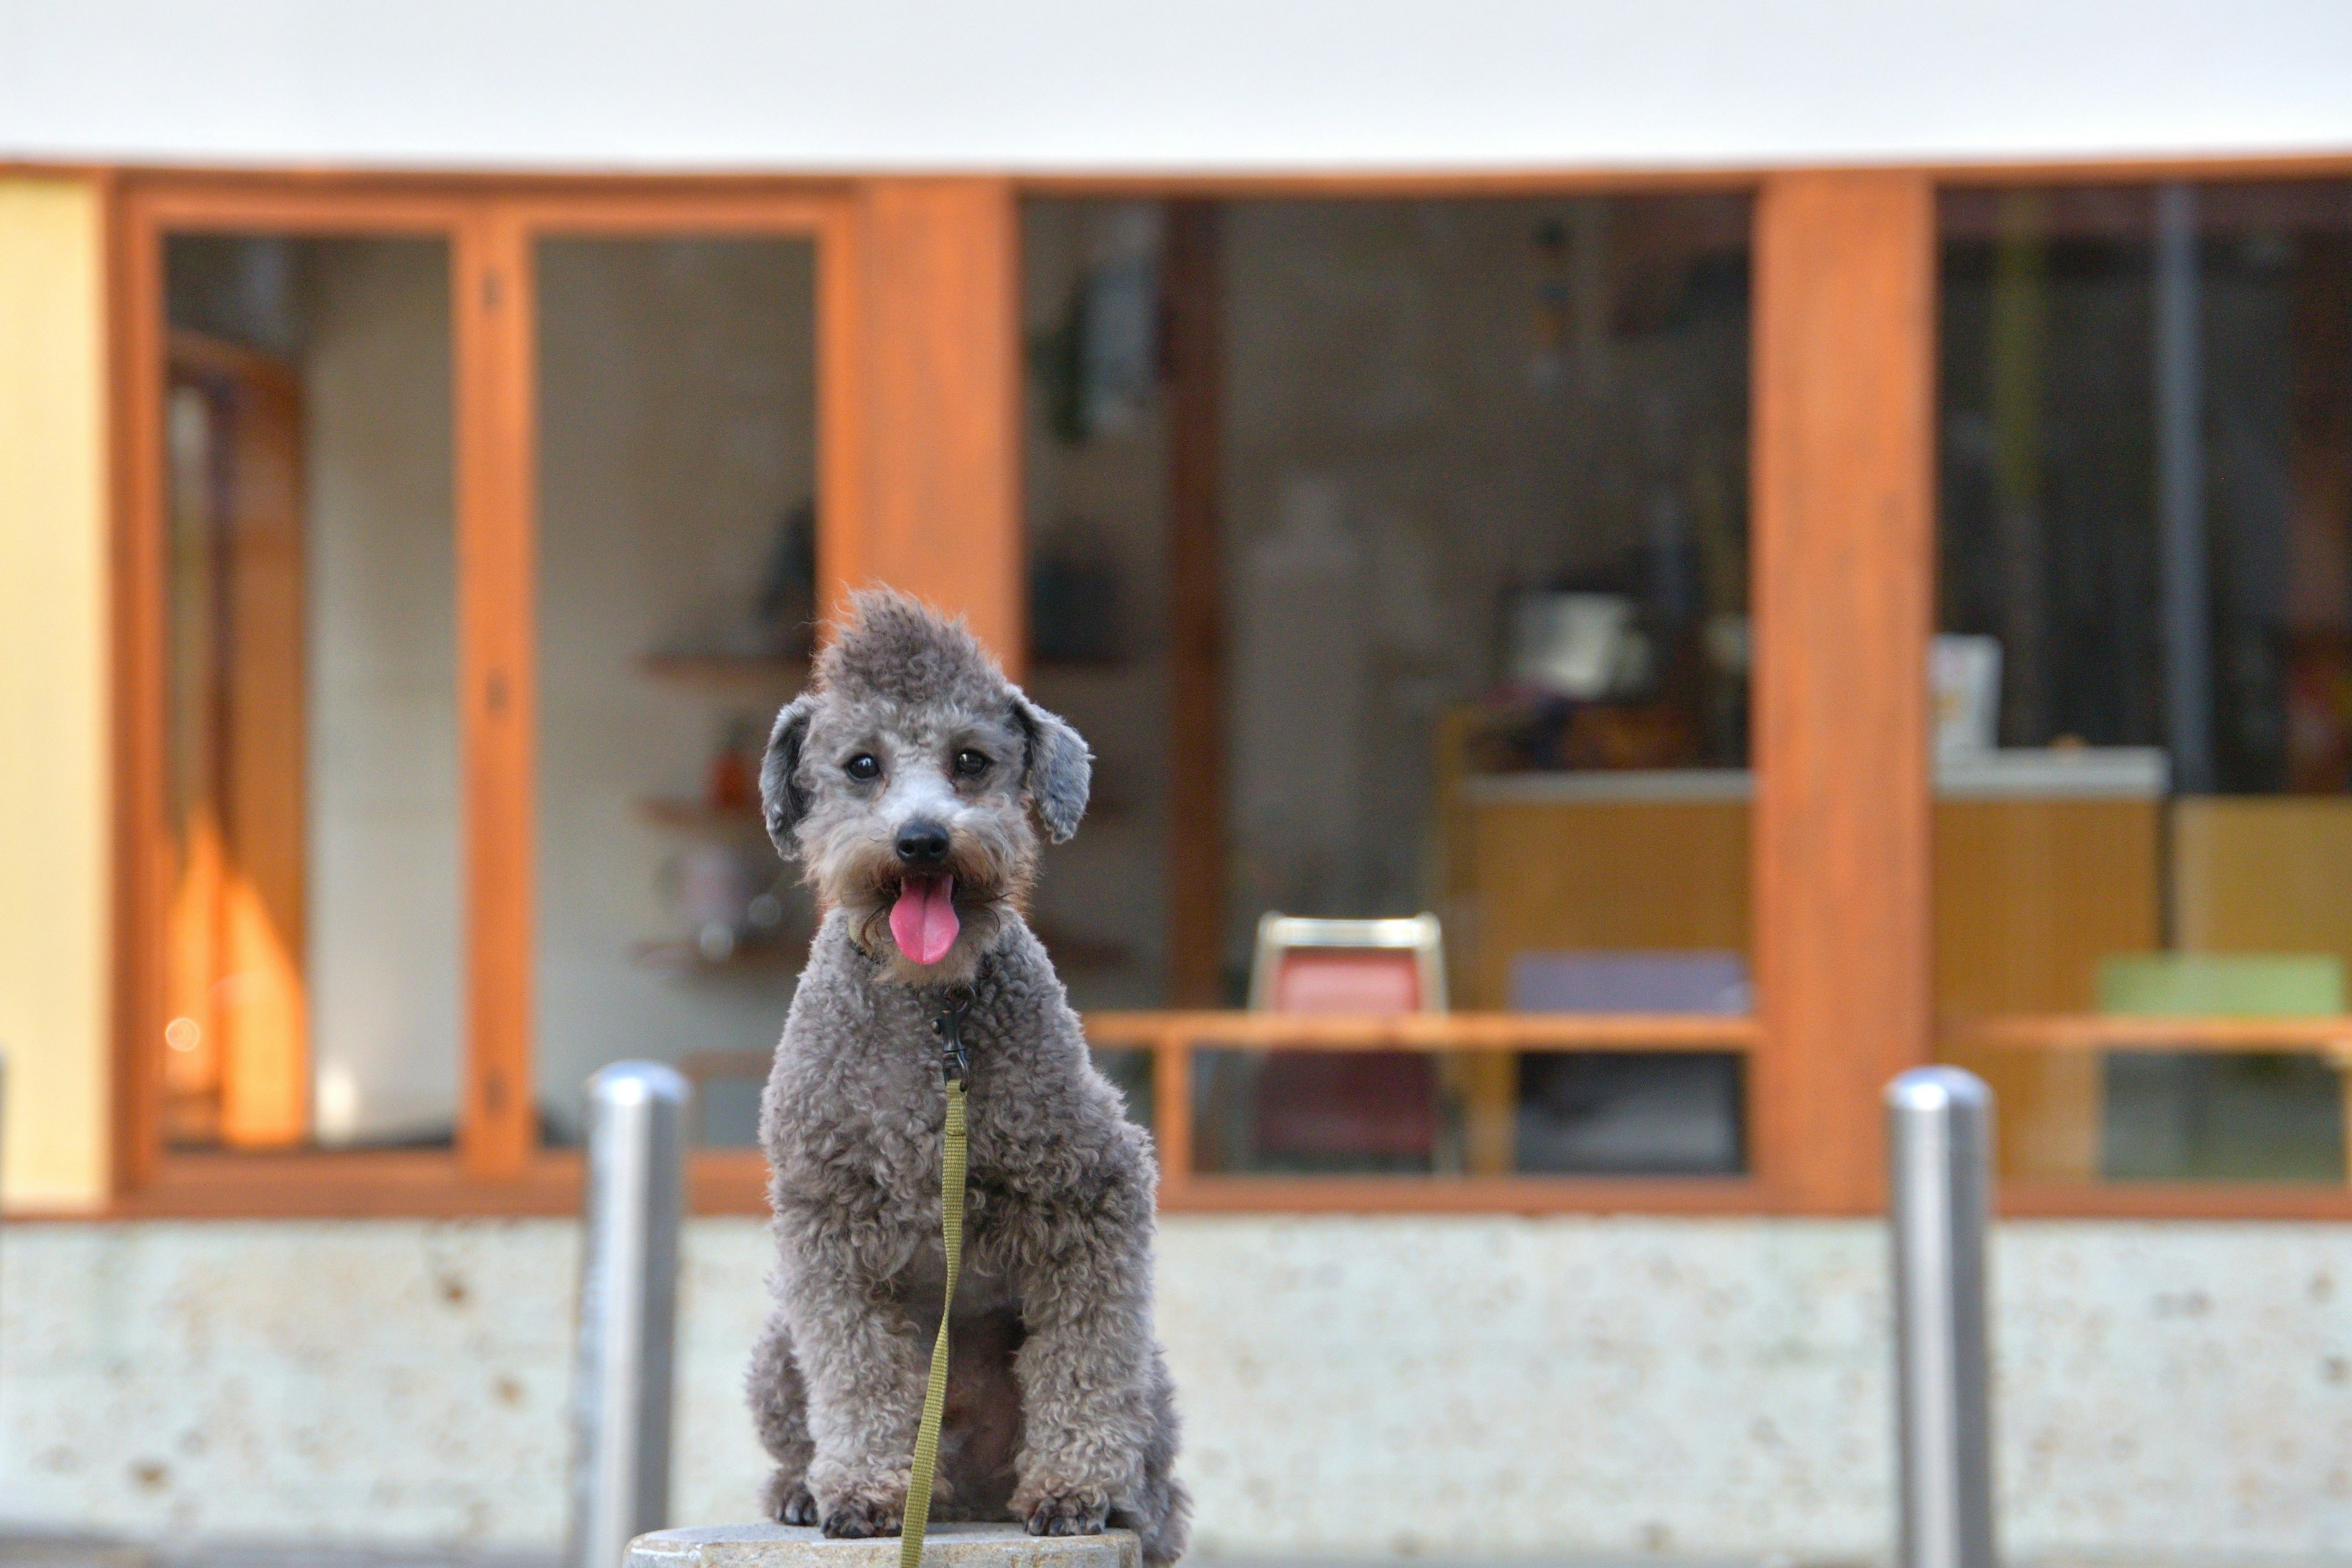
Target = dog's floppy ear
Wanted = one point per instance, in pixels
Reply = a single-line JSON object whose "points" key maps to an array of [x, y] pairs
{"points": [[1057, 770], [781, 799]]}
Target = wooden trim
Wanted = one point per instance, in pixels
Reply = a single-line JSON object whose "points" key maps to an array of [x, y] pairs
{"points": [[2174, 1200], [1298, 182], [1464, 1194], [2102, 1032], [942, 406], [688, 213], [1844, 470], [354, 1185], [1423, 1031], [141, 834], [1196, 637], [493, 286], [268, 206], [1307, 185]]}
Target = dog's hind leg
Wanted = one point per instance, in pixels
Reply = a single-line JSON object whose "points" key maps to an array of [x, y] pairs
{"points": [[780, 1411], [1161, 1509]]}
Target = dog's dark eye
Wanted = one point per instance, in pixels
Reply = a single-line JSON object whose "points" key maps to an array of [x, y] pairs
{"points": [[971, 764], [863, 766]]}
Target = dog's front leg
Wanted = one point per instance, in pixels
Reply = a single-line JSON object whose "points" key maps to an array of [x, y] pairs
{"points": [[1086, 1370], [865, 1363]]}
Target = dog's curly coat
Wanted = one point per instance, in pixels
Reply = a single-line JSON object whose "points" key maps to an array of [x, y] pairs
{"points": [[1060, 1411]]}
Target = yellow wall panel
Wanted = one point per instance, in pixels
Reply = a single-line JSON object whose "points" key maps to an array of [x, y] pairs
{"points": [[2264, 874], [53, 694]]}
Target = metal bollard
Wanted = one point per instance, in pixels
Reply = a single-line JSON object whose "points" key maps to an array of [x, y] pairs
{"points": [[1939, 1142], [628, 1310]]}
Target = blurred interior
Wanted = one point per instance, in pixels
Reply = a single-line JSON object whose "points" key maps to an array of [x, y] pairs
{"points": [[2144, 687]]}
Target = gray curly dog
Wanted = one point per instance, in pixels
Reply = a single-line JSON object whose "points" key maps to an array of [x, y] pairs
{"points": [[912, 781]]}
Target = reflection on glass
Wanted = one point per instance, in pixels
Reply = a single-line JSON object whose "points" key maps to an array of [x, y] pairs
{"points": [[312, 948], [676, 464], [1480, 538], [2144, 690]]}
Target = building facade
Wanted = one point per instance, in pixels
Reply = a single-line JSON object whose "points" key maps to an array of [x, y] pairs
{"points": [[1812, 544]]}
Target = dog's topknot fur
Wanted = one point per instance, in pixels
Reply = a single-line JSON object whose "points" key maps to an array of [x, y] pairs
{"points": [[894, 647]]}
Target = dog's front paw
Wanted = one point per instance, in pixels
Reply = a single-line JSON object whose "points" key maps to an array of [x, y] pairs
{"points": [[1068, 1513], [790, 1501], [855, 1517]]}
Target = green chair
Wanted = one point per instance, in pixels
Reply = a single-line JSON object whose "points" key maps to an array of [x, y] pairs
{"points": [[2235, 1116]]}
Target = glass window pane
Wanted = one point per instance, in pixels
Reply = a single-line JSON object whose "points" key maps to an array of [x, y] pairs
{"points": [[1479, 541], [2144, 680], [676, 471], [312, 949]]}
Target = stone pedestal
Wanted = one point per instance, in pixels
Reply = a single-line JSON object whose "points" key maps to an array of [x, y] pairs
{"points": [[946, 1546]]}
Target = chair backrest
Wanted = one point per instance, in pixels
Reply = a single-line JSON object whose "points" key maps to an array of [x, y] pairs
{"points": [[1306, 965], [1603, 980], [2221, 984]]}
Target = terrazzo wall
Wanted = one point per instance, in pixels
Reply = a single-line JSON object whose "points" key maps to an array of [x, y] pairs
{"points": [[1440, 1387]]}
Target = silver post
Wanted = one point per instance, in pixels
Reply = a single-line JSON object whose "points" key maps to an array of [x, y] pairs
{"points": [[1939, 1139], [628, 1310]]}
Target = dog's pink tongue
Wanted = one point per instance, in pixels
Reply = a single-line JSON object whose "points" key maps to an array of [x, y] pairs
{"points": [[923, 920]]}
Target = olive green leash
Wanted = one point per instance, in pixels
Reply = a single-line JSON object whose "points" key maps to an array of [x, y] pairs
{"points": [[955, 1065]]}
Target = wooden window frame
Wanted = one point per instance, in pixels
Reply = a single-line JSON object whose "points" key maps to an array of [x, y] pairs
{"points": [[920, 441]]}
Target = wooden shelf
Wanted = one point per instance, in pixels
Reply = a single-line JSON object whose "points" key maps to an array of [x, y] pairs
{"points": [[747, 672]]}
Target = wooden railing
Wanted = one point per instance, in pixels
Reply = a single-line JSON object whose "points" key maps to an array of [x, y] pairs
{"points": [[2330, 1037], [2090, 1035]]}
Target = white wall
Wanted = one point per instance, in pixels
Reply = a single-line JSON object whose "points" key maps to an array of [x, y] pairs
{"points": [[1383, 1389], [1210, 83], [385, 910]]}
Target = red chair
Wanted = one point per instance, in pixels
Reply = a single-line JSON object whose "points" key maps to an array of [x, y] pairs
{"points": [[1326, 1108]]}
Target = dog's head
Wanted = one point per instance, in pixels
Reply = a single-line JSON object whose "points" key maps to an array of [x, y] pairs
{"points": [[912, 782]]}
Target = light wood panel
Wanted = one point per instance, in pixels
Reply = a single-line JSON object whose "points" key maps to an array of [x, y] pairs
{"points": [[1842, 544], [2263, 874], [941, 469], [1619, 874], [2030, 895], [56, 990]]}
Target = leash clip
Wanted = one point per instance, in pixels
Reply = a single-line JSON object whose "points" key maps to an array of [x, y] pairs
{"points": [[955, 1055]]}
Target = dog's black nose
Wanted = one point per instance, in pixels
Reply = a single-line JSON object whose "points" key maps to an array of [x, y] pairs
{"points": [[922, 844]]}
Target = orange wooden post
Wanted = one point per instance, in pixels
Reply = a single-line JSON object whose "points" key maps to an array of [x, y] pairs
{"points": [[497, 652], [1171, 1113], [1844, 532], [941, 479]]}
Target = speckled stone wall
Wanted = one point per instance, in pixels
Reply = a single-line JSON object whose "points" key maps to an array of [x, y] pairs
{"points": [[1444, 1387]]}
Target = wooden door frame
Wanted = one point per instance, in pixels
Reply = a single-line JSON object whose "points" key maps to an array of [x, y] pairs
{"points": [[140, 218], [490, 224]]}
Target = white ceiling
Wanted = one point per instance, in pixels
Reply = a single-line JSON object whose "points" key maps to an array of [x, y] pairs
{"points": [[1198, 84]]}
